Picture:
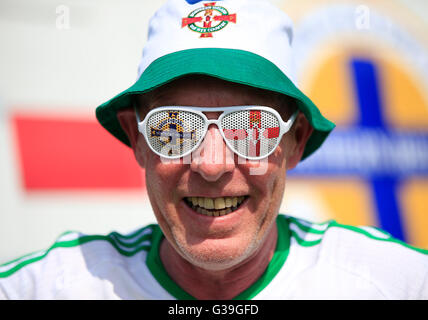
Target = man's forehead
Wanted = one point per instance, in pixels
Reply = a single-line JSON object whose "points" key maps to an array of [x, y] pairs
{"points": [[204, 91]]}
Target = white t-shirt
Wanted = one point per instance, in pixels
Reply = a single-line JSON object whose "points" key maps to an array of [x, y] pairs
{"points": [[311, 261]]}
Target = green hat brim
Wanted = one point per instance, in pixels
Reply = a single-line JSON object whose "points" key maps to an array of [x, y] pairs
{"points": [[232, 65]]}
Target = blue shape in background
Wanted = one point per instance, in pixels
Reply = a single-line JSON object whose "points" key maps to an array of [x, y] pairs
{"points": [[388, 209], [366, 84]]}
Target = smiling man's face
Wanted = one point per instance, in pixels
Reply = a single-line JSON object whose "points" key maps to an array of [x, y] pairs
{"points": [[182, 194]]}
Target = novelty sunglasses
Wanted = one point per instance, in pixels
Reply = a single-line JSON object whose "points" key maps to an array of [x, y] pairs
{"points": [[252, 132]]}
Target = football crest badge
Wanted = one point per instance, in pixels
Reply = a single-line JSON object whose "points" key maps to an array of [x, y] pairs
{"points": [[208, 19]]}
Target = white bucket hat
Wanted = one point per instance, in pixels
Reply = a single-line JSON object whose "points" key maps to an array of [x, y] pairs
{"points": [[241, 41]]}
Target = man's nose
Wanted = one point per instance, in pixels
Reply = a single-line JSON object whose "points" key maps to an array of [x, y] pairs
{"points": [[213, 158]]}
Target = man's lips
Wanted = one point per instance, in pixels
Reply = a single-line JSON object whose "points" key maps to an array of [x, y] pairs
{"points": [[214, 207]]}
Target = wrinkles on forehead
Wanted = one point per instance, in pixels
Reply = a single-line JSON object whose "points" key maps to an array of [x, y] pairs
{"points": [[205, 91]]}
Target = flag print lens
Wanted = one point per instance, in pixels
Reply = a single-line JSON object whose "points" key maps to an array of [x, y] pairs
{"points": [[251, 133], [173, 133]]}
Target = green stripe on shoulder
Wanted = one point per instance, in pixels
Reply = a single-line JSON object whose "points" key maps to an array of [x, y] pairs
{"points": [[126, 245], [306, 226], [387, 237], [303, 242], [309, 234], [306, 234]]}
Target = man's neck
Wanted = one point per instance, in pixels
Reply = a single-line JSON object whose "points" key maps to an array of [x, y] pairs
{"points": [[223, 284]]}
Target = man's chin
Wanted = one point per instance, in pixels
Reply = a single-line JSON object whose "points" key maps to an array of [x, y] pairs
{"points": [[218, 254]]}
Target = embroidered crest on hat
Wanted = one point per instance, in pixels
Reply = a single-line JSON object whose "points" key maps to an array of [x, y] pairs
{"points": [[208, 19]]}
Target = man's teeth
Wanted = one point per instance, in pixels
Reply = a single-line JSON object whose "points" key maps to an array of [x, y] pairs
{"points": [[215, 206]]}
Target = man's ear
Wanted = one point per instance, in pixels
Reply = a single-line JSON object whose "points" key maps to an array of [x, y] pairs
{"points": [[300, 133], [128, 122]]}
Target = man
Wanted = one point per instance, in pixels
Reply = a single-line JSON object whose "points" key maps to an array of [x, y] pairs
{"points": [[216, 121]]}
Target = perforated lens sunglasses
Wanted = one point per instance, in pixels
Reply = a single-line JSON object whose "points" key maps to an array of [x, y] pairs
{"points": [[252, 132]]}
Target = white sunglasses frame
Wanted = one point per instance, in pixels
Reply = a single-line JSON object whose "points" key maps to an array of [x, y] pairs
{"points": [[284, 126]]}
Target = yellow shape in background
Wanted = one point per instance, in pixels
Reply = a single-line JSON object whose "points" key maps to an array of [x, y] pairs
{"points": [[404, 96], [414, 200], [348, 201], [330, 88]]}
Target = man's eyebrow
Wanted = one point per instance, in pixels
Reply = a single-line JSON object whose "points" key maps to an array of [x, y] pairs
{"points": [[153, 98]]}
